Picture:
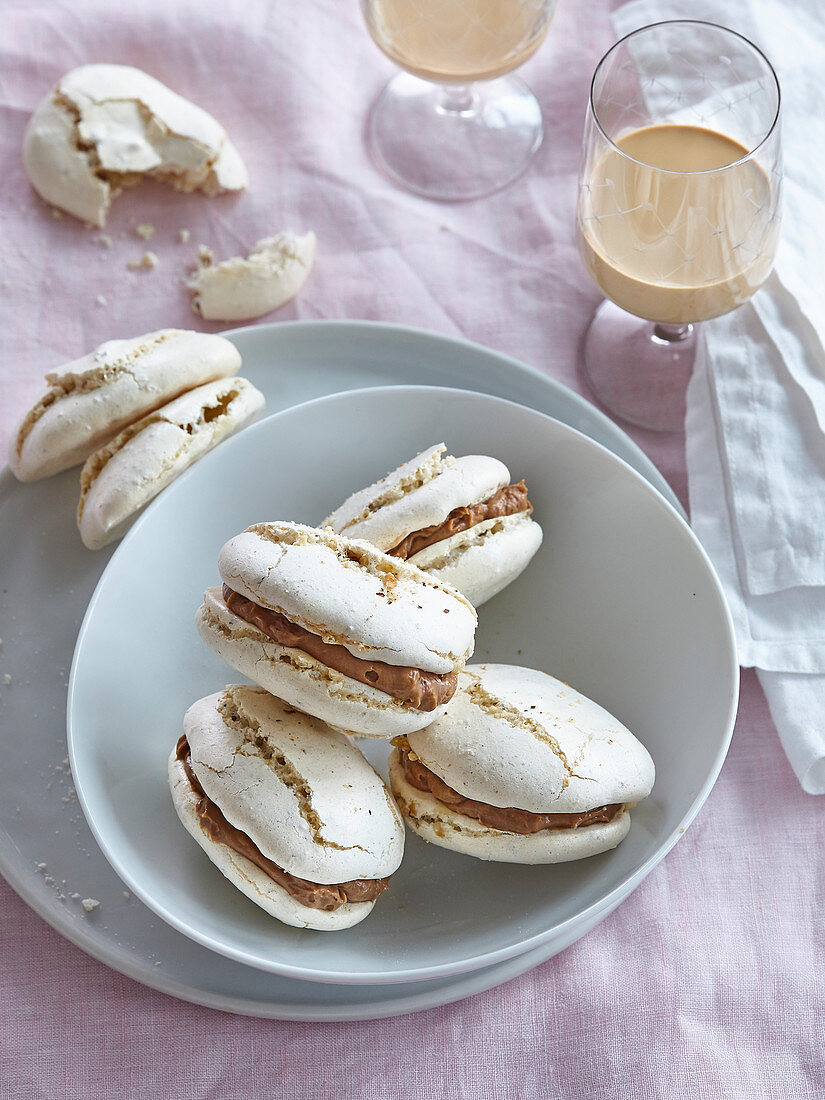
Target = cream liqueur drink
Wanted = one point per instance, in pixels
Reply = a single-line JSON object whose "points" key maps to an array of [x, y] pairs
{"points": [[458, 40], [676, 230]]}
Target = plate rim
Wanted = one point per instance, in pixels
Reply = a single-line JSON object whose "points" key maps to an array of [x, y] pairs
{"points": [[376, 328], [405, 1003], [487, 959]]}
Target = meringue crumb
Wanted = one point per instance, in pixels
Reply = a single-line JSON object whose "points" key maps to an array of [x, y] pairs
{"points": [[145, 230], [126, 894], [146, 262], [183, 235], [104, 240], [205, 254], [6, 678], [102, 300], [42, 866], [90, 904]]}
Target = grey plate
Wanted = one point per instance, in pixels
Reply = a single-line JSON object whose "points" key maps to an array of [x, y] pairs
{"points": [[47, 580]]}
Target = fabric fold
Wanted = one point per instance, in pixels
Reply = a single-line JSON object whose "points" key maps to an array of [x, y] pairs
{"points": [[755, 425]]}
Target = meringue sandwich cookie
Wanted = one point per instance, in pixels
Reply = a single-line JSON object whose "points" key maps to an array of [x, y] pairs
{"points": [[103, 127], [249, 286], [120, 479], [460, 519], [287, 808], [520, 769], [364, 641], [93, 398]]}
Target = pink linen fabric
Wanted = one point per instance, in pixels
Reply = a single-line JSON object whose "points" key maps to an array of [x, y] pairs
{"points": [[708, 981]]}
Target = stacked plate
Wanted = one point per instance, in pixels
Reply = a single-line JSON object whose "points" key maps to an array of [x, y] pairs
{"points": [[621, 602]]}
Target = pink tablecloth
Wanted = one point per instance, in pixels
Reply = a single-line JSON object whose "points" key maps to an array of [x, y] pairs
{"points": [[709, 981]]}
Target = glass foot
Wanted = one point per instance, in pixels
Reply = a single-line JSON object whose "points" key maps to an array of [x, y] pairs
{"points": [[639, 370], [454, 142]]}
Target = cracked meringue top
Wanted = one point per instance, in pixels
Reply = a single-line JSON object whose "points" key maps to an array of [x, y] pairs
{"points": [[517, 737], [350, 594], [300, 790]]}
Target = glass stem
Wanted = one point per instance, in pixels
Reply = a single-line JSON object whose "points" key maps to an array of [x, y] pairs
{"points": [[456, 99], [671, 334]]}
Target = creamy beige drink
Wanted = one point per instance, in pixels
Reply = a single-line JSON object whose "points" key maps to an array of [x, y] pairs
{"points": [[676, 231], [458, 40]]}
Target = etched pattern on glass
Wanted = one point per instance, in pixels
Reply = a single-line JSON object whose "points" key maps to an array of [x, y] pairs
{"points": [[715, 247]]}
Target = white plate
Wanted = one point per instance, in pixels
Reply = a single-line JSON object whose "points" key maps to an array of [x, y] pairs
{"points": [[46, 580], [620, 601]]}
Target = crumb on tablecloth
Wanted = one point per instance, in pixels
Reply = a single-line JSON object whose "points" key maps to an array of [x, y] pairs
{"points": [[146, 262]]}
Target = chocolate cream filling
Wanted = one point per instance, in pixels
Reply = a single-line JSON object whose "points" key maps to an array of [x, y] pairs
{"points": [[411, 686], [314, 895], [504, 818], [506, 501]]}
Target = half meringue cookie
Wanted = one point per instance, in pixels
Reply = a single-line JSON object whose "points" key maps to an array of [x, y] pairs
{"points": [[287, 808], [520, 769], [93, 398], [120, 479], [362, 640], [459, 519]]}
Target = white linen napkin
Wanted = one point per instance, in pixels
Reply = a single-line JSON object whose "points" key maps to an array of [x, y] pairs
{"points": [[756, 403]]}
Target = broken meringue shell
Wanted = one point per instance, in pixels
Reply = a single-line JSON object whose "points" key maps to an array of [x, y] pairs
{"points": [[244, 287], [104, 127]]}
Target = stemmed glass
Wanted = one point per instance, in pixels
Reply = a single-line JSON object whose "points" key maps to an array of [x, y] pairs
{"points": [[679, 205], [453, 126]]}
